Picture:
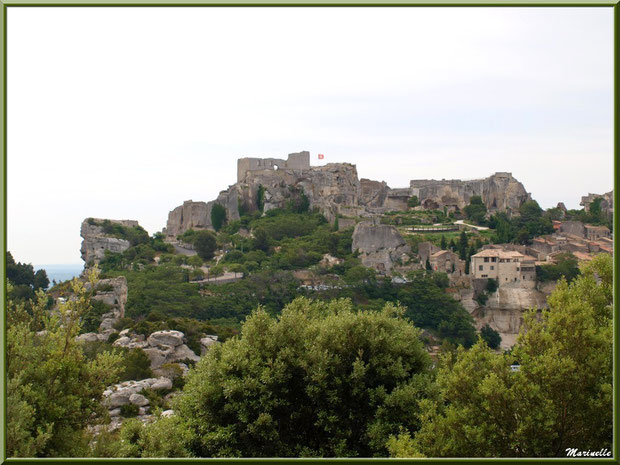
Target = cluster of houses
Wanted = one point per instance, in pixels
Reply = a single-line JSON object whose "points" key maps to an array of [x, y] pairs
{"points": [[514, 265], [582, 240]]}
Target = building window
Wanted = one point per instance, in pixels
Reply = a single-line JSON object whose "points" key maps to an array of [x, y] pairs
{"points": [[485, 275], [486, 259], [493, 259], [492, 267], [480, 268]]}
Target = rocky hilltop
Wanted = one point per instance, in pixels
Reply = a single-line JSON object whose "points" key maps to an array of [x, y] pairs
{"points": [[96, 241], [336, 190], [499, 192], [607, 202]]}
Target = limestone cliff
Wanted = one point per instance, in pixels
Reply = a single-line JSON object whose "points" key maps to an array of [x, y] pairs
{"points": [[380, 245], [607, 202], [504, 311], [499, 192], [96, 241]]}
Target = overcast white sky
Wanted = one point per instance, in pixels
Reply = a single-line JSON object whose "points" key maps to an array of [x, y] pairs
{"points": [[125, 113]]}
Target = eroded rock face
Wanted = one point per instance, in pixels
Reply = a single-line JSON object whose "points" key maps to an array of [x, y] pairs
{"points": [[606, 203], [167, 347], [113, 292], [206, 343], [127, 392], [499, 192], [168, 337], [380, 245], [96, 242], [504, 311], [190, 215]]}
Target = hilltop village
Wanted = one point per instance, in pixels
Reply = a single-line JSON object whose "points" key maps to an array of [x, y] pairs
{"points": [[394, 231], [461, 263]]}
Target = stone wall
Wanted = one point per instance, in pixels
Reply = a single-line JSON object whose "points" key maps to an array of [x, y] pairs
{"points": [[296, 161], [575, 228]]}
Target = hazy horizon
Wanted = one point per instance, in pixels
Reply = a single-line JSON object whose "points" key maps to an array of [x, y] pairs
{"points": [[131, 124]]}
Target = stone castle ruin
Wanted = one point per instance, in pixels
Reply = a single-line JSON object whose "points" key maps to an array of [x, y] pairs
{"points": [[336, 191], [295, 162]]}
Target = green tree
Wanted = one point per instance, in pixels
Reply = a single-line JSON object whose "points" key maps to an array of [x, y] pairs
{"points": [[41, 280], [53, 393], [413, 201], [218, 216], [237, 268], [262, 240], [294, 385], [443, 244], [195, 261], [492, 285], [215, 271], [560, 398], [205, 244], [476, 210], [566, 266], [260, 198], [463, 246], [596, 210], [490, 336], [360, 274]]}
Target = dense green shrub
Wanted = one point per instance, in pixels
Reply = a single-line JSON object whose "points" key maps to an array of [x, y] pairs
{"points": [[205, 244], [218, 216], [91, 319], [492, 285], [129, 410], [566, 266], [295, 385], [490, 336]]}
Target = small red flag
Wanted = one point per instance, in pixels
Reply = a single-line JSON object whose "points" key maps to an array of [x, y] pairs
{"points": [[321, 156]]}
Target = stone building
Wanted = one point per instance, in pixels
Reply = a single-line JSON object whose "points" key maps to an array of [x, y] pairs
{"points": [[593, 233], [447, 261], [507, 266]]}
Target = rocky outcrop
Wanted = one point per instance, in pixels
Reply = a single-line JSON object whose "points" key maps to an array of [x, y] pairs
{"points": [[127, 392], [206, 343], [380, 245], [190, 215], [113, 293], [499, 192], [373, 193], [167, 347], [96, 241], [504, 309], [606, 202]]}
